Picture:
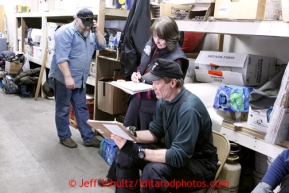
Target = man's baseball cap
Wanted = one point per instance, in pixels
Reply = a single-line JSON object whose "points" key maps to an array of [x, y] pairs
{"points": [[86, 16], [163, 68]]}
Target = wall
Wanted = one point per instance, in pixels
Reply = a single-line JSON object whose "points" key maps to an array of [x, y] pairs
{"points": [[9, 7]]}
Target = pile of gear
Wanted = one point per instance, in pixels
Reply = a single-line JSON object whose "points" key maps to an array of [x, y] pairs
{"points": [[23, 84]]}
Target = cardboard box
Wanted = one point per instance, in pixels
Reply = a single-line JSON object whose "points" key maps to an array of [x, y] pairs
{"points": [[238, 116], [13, 67], [259, 119], [110, 98], [272, 10], [2, 74], [204, 1], [117, 74], [240, 9], [169, 9], [234, 68], [201, 11]]}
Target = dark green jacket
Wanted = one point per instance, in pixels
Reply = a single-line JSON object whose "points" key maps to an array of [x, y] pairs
{"points": [[28, 77], [187, 131]]}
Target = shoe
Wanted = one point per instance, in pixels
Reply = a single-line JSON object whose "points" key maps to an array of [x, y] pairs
{"points": [[106, 182], [95, 142], [68, 143]]}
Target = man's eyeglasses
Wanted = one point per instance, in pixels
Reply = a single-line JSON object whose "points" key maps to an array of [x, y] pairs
{"points": [[86, 18]]}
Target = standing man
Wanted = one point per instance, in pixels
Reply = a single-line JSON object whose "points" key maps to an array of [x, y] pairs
{"points": [[187, 160], [75, 43]]}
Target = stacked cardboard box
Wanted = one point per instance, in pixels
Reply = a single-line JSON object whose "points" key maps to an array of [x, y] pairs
{"points": [[13, 67]]}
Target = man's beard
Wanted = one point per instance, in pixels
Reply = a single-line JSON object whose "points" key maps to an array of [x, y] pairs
{"points": [[83, 32]]}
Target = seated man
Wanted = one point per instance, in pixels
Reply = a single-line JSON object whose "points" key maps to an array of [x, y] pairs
{"points": [[187, 160], [277, 173]]}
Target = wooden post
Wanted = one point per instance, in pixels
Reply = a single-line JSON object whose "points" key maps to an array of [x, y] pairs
{"points": [[101, 23], [43, 67], [220, 42]]}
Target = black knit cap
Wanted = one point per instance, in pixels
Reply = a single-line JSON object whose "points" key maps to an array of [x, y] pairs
{"points": [[86, 16], [163, 68]]}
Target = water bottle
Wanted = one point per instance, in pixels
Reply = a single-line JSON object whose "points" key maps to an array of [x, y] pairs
{"points": [[111, 42], [115, 43]]}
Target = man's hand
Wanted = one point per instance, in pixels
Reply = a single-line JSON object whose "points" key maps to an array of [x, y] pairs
{"points": [[99, 37], [95, 26], [69, 82], [118, 140], [135, 77]]}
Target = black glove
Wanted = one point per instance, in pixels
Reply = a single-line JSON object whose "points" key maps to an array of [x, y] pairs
{"points": [[132, 130], [130, 149]]}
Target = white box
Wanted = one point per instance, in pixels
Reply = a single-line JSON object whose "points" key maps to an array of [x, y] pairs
{"points": [[92, 71], [285, 10], [29, 50], [37, 52], [49, 55], [51, 43], [51, 27], [259, 119], [234, 68], [59, 5], [42, 6], [90, 4]]}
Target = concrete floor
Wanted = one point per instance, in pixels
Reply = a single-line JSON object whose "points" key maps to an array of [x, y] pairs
{"points": [[31, 157]]}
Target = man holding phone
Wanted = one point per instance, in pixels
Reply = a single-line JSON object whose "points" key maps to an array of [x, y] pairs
{"points": [[74, 46]]}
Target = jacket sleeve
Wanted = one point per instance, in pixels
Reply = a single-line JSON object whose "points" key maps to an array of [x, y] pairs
{"points": [[278, 170]]}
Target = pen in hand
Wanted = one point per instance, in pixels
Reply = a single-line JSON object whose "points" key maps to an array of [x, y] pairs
{"points": [[136, 77]]}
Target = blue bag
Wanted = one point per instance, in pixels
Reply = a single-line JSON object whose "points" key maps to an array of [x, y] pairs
{"points": [[108, 149], [232, 98]]}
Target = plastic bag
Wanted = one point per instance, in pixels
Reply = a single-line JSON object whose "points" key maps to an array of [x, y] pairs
{"points": [[108, 149], [232, 98]]}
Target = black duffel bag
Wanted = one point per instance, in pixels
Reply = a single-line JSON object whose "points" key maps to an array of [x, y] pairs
{"points": [[9, 87]]}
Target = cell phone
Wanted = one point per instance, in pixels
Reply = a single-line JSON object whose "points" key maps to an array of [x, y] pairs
{"points": [[92, 29]]}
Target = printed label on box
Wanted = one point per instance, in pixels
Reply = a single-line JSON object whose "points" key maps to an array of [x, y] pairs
{"points": [[223, 10]]}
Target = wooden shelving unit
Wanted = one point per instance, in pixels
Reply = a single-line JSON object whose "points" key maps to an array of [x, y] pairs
{"points": [[105, 64], [242, 135]]}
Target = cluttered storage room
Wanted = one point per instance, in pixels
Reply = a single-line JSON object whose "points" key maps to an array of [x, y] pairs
{"points": [[144, 96]]}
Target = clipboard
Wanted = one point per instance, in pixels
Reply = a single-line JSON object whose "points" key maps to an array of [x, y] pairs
{"points": [[106, 128]]}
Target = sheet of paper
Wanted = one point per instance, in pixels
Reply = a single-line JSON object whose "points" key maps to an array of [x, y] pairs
{"points": [[117, 130], [131, 87]]}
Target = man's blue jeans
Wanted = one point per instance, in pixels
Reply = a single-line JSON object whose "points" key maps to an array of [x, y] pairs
{"points": [[77, 97]]}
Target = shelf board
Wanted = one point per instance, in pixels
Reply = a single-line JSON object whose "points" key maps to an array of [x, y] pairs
{"points": [[35, 60], [109, 58], [117, 13], [108, 12], [38, 61], [258, 28], [250, 141], [29, 14]]}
